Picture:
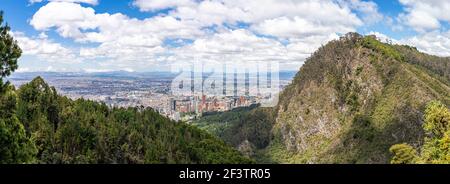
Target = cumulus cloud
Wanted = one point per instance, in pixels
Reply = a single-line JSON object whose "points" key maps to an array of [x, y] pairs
{"points": [[296, 18], [296, 22], [84, 25], [368, 9], [298, 27], [286, 31], [236, 46], [44, 48], [425, 15], [435, 42], [261, 11], [92, 2], [146, 5], [69, 19]]}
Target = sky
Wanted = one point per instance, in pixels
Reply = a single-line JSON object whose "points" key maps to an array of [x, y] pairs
{"points": [[152, 35]]}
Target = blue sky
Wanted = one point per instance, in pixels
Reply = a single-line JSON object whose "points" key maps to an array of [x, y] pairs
{"points": [[149, 35]]}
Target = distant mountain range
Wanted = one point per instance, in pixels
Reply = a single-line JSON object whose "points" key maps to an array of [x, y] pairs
{"points": [[284, 75]]}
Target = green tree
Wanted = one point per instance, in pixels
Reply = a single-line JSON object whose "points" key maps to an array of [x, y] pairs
{"points": [[436, 147], [437, 118], [403, 154], [15, 146], [9, 52]]}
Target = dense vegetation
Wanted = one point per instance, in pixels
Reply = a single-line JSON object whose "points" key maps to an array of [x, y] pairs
{"points": [[436, 147], [438, 66], [55, 129], [246, 128], [350, 102], [39, 126]]}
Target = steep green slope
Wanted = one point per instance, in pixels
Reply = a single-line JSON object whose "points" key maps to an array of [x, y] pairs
{"points": [[362, 97], [247, 129], [436, 144], [353, 99], [81, 131]]}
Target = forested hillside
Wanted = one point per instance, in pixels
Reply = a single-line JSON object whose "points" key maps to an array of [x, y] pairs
{"points": [[39, 126], [350, 102]]}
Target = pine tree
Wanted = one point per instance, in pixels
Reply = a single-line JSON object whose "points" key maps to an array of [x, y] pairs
{"points": [[15, 146], [9, 52]]}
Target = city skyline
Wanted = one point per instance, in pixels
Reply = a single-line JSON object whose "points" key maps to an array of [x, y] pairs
{"points": [[151, 89]]}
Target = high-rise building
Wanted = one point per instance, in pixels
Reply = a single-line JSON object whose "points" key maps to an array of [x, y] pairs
{"points": [[203, 99], [173, 104]]}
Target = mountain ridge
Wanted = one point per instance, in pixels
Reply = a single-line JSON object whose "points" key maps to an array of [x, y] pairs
{"points": [[350, 101]]}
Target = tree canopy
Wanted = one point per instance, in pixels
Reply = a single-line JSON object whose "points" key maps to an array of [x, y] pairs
{"points": [[15, 145], [10, 51], [436, 147]]}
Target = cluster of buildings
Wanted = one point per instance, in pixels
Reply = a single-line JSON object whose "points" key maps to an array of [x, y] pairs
{"points": [[189, 107], [144, 90]]}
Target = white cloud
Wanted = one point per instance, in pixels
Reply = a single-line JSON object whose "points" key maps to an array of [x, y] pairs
{"points": [[50, 69], [425, 15], [436, 43], [255, 12], [84, 25], [68, 18], [301, 48], [93, 2], [292, 29], [236, 47], [298, 27], [44, 48], [299, 22], [368, 9], [96, 70], [234, 41], [152, 5], [23, 69], [420, 21], [300, 18]]}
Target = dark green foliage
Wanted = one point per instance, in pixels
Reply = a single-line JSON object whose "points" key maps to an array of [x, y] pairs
{"points": [[236, 126], [210, 151], [436, 147], [9, 50], [83, 131], [15, 145], [362, 128]]}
